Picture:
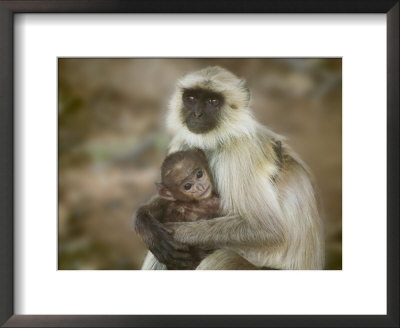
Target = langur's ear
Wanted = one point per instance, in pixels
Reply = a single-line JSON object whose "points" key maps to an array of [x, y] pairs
{"points": [[164, 192]]}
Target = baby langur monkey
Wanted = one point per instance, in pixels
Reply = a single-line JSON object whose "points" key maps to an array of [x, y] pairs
{"points": [[187, 184], [186, 194]]}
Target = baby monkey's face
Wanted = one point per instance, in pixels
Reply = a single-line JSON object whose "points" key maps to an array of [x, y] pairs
{"points": [[197, 185], [191, 181]]}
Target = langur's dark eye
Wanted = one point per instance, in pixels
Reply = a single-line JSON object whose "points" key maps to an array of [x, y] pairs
{"points": [[199, 174], [187, 186], [214, 102], [191, 99]]}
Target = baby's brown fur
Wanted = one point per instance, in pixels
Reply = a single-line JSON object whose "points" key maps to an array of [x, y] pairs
{"points": [[178, 204], [187, 183]]}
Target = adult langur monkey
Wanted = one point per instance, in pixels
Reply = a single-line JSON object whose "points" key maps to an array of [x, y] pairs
{"points": [[271, 215]]}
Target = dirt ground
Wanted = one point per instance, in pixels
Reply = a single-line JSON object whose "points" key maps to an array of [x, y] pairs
{"points": [[112, 142]]}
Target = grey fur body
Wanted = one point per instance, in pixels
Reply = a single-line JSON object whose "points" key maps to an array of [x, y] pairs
{"points": [[271, 217]]}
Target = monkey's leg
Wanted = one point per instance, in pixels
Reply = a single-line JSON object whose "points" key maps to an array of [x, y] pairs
{"points": [[151, 263], [224, 259]]}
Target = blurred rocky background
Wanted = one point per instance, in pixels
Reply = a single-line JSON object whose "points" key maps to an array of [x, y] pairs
{"points": [[111, 142]]}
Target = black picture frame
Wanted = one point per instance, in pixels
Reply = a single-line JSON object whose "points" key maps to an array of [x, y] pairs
{"points": [[11, 7]]}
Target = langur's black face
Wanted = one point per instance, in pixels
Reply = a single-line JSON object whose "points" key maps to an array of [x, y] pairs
{"points": [[201, 110]]}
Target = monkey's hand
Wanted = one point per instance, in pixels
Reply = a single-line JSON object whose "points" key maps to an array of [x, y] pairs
{"points": [[160, 242]]}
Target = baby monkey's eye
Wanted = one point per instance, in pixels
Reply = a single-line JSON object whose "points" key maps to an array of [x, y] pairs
{"points": [[199, 174], [187, 186], [213, 102]]}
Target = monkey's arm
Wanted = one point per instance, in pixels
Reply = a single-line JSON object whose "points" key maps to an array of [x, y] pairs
{"points": [[224, 231], [147, 224]]}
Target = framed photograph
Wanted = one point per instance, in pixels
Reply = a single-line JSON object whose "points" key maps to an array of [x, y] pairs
{"points": [[199, 164]]}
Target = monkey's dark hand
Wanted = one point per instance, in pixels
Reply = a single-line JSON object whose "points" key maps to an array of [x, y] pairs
{"points": [[161, 243]]}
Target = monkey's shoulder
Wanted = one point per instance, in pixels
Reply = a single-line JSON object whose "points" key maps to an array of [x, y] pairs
{"points": [[176, 211], [155, 207]]}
